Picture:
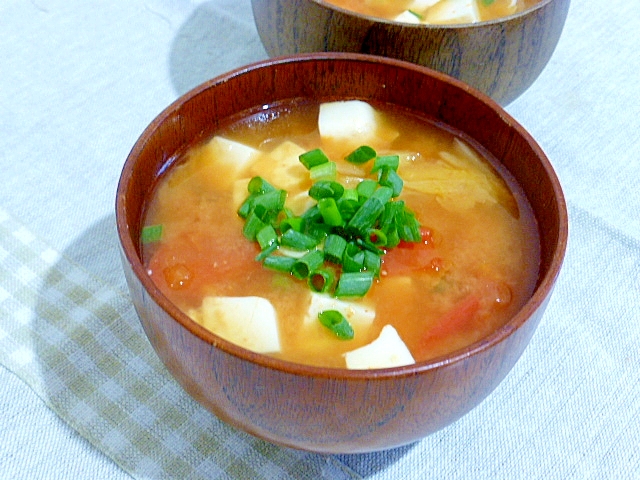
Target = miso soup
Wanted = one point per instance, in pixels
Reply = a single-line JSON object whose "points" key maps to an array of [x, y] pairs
{"points": [[440, 12], [446, 252]]}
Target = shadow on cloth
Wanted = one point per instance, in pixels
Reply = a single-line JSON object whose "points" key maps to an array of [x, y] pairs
{"points": [[106, 382], [219, 36]]}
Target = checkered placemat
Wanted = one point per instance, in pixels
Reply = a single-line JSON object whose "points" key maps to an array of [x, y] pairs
{"points": [[78, 344]]}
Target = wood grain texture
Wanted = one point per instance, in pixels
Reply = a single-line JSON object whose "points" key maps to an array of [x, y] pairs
{"points": [[500, 58], [312, 408]]}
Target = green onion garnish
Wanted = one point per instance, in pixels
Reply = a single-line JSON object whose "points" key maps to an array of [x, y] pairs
{"points": [[334, 248], [305, 265], [343, 236], [297, 240], [321, 280], [279, 263], [388, 177], [337, 323], [354, 284], [325, 189], [390, 161], [266, 237], [323, 171], [330, 212], [361, 155], [151, 233], [313, 158]]}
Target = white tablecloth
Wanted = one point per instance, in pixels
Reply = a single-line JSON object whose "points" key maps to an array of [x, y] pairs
{"points": [[80, 80]]}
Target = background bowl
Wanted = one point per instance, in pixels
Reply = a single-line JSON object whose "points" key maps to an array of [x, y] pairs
{"points": [[313, 408], [501, 58]]}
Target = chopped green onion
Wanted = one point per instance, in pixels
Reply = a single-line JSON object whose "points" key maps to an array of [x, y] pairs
{"points": [[377, 237], [279, 263], [337, 323], [361, 155], [330, 212], [354, 284], [266, 252], [321, 280], [308, 263], [366, 188], [348, 208], [488, 2], [334, 247], [390, 161], [297, 240], [313, 158], [408, 227], [259, 185], [291, 222], [270, 202], [388, 177], [151, 233], [324, 171], [355, 226], [372, 262], [383, 194], [353, 258], [326, 188], [266, 237], [247, 206], [350, 194], [364, 218], [252, 226]]}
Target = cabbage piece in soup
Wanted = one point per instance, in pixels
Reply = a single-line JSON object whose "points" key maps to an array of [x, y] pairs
{"points": [[464, 261]]}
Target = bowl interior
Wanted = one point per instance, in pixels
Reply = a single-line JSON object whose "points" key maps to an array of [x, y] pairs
{"points": [[327, 76]]}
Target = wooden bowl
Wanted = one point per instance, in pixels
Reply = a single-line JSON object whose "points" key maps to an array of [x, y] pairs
{"points": [[501, 58], [314, 408]]}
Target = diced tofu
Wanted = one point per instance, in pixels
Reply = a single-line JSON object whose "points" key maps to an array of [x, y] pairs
{"points": [[453, 11], [250, 322], [353, 123], [359, 316], [407, 17], [231, 153], [282, 167], [388, 350]]}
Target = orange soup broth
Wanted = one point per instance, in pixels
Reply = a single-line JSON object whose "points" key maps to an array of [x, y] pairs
{"points": [[388, 9], [477, 265]]}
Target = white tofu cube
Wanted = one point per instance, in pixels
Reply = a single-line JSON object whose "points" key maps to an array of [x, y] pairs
{"points": [[453, 11], [220, 154], [346, 119], [250, 322], [388, 350], [231, 154], [359, 316], [352, 123]]}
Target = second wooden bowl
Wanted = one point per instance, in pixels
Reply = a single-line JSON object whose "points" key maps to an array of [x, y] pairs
{"points": [[501, 58]]}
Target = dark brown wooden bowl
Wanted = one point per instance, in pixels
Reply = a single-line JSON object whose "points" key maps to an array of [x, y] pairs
{"points": [[313, 408], [501, 58]]}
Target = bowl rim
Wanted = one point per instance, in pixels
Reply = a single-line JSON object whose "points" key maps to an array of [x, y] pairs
{"points": [[446, 26], [541, 292]]}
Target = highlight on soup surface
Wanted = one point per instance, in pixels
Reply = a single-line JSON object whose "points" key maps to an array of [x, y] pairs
{"points": [[343, 234], [436, 11]]}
